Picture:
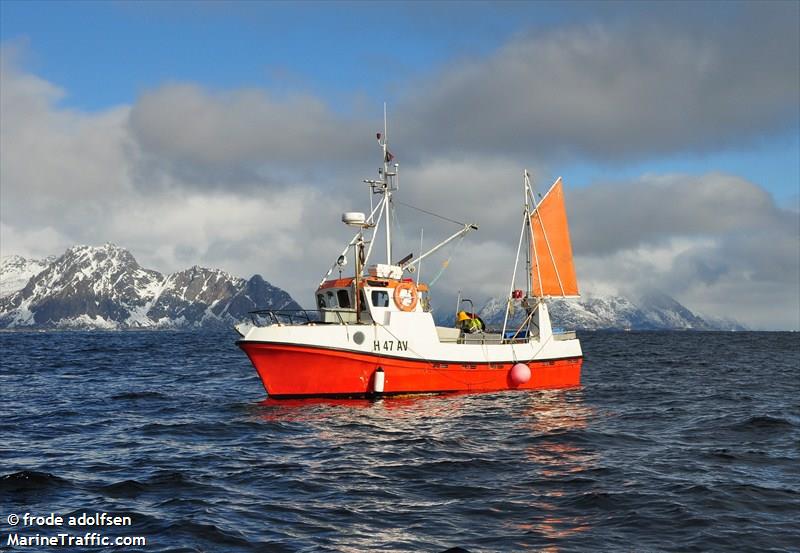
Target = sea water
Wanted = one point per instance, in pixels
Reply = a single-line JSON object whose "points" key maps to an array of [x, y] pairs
{"points": [[676, 441]]}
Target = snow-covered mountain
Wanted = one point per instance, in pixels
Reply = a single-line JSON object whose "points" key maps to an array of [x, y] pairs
{"points": [[653, 311], [105, 287], [16, 271]]}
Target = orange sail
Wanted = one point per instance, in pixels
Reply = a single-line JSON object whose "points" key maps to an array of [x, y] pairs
{"points": [[552, 272]]}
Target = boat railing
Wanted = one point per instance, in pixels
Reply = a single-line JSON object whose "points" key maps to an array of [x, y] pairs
{"points": [[493, 336], [490, 336], [296, 317], [564, 335]]}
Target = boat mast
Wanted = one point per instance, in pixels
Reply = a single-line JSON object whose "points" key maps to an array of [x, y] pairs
{"points": [[387, 188], [386, 185], [525, 224], [529, 235]]}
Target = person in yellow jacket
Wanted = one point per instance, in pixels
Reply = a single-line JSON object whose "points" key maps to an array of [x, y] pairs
{"points": [[469, 322]]}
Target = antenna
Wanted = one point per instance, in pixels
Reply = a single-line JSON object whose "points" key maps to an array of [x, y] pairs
{"points": [[386, 188]]}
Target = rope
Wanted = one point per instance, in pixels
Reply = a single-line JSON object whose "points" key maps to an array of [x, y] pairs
{"points": [[446, 262], [446, 372], [430, 213], [484, 350]]}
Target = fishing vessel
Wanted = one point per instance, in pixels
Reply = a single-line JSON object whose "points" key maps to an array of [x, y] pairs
{"points": [[373, 332]]}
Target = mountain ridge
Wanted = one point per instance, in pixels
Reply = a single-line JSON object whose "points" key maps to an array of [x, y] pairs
{"points": [[105, 287], [650, 311]]}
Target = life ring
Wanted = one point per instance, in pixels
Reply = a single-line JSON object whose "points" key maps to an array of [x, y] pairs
{"points": [[406, 296]]}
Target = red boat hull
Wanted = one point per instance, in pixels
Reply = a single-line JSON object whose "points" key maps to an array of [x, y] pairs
{"points": [[289, 371]]}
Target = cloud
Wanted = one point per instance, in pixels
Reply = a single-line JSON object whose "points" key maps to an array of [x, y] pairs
{"points": [[69, 177], [239, 137], [618, 92], [57, 166], [716, 242], [34, 243], [240, 234], [656, 208], [609, 91], [235, 179]]}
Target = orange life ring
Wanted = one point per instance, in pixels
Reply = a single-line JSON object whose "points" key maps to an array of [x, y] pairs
{"points": [[406, 296]]}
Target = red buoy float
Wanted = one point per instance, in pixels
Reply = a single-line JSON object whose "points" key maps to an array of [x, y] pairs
{"points": [[520, 374]]}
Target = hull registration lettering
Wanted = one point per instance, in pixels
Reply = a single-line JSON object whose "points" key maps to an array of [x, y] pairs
{"points": [[390, 345]]}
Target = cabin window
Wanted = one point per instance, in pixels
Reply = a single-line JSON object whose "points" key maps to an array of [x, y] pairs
{"points": [[321, 301], [362, 301], [344, 299], [380, 298], [331, 300]]}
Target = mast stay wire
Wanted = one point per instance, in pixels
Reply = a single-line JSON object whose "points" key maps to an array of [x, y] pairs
{"points": [[429, 213], [453, 250]]}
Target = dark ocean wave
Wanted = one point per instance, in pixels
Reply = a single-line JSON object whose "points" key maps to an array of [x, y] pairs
{"points": [[762, 423], [675, 442], [31, 480], [143, 395]]}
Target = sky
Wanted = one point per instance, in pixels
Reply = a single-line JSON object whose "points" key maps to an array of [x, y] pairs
{"points": [[234, 134]]}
